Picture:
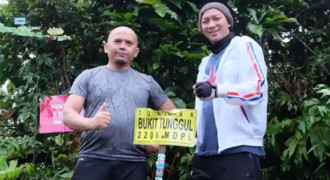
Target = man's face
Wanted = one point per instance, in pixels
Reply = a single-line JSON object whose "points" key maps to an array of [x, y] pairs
{"points": [[121, 47], [214, 25]]}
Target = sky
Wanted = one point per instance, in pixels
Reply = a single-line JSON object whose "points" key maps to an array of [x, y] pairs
{"points": [[3, 1]]}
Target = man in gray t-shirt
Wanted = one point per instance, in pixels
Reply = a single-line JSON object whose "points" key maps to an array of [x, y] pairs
{"points": [[109, 94]]}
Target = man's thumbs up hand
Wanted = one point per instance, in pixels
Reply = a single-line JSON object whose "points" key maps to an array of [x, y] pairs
{"points": [[101, 119], [102, 108]]}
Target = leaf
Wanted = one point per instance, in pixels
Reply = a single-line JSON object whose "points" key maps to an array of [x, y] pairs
{"points": [[311, 102], [274, 33], [155, 65], [184, 32], [170, 94], [164, 25], [173, 14], [179, 103], [59, 140], [3, 164], [3, 105], [177, 3], [29, 168], [292, 144], [292, 20], [311, 111], [16, 172], [323, 110], [204, 48], [298, 135], [292, 147], [278, 127], [254, 14], [61, 156], [170, 89], [128, 16], [13, 164], [193, 6], [313, 147], [318, 146], [28, 78], [2, 175], [302, 125], [22, 117], [178, 43], [319, 167], [281, 18], [67, 175], [112, 14], [262, 16], [136, 10], [324, 92], [256, 29], [160, 8], [184, 159], [328, 154], [149, 2], [188, 55]]}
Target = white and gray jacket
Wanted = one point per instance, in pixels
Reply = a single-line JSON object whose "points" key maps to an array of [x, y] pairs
{"points": [[240, 111]]}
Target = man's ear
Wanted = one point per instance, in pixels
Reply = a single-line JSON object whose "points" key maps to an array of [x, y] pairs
{"points": [[137, 50], [105, 47]]}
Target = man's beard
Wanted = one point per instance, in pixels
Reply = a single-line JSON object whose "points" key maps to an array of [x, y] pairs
{"points": [[120, 62]]}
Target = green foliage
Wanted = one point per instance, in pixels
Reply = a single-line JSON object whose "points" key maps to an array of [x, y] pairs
{"points": [[308, 141], [9, 171], [13, 148], [294, 36], [268, 22]]}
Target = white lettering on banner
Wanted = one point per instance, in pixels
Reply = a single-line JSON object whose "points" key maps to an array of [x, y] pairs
{"points": [[57, 111], [20, 21]]}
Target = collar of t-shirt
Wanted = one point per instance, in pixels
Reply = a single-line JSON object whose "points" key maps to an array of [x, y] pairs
{"points": [[220, 45]]}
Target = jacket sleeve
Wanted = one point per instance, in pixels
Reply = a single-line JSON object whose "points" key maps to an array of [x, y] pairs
{"points": [[201, 69], [250, 84]]}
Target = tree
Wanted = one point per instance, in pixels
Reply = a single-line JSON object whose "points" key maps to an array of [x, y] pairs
{"points": [[294, 36]]}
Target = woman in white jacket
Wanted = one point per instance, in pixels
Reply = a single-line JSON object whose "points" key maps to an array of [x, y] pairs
{"points": [[231, 101]]}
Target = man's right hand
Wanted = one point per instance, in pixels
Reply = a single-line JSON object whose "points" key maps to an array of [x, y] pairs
{"points": [[205, 90], [101, 119]]}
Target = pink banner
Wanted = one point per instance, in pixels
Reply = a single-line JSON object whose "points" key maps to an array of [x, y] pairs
{"points": [[51, 115]]}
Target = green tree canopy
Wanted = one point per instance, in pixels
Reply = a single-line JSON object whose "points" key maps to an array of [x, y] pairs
{"points": [[294, 35]]}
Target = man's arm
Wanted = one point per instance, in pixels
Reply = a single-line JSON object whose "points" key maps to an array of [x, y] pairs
{"points": [[167, 105], [75, 121]]}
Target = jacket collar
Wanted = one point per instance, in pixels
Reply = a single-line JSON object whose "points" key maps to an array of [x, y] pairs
{"points": [[220, 45]]}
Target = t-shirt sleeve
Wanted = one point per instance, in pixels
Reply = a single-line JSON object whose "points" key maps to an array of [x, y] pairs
{"points": [[156, 95], [79, 86]]}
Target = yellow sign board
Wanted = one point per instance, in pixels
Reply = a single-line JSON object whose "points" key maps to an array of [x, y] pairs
{"points": [[176, 127]]}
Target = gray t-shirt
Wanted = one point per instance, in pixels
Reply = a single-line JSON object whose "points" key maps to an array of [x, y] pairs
{"points": [[123, 91]]}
